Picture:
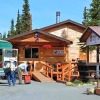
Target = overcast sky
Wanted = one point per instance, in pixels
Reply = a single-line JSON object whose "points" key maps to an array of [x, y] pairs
{"points": [[43, 11]]}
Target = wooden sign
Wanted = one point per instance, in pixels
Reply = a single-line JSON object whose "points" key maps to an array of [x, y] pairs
{"points": [[58, 52]]}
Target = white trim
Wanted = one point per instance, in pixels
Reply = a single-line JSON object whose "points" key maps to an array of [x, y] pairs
{"points": [[93, 40]]}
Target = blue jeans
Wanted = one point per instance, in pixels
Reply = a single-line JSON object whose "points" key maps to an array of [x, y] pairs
{"points": [[11, 77]]}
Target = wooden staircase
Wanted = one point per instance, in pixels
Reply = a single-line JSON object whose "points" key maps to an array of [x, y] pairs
{"points": [[67, 73], [64, 73], [38, 76]]}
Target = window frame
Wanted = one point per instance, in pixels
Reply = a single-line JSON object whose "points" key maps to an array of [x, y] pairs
{"points": [[31, 53]]}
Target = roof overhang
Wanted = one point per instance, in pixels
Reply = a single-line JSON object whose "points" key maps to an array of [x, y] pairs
{"points": [[88, 32], [67, 42]]}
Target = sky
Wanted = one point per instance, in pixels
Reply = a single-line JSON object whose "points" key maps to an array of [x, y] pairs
{"points": [[43, 12]]}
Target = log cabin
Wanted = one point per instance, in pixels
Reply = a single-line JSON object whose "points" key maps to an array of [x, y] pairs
{"points": [[52, 44]]}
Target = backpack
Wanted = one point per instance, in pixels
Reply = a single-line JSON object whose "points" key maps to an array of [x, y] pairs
{"points": [[28, 68]]}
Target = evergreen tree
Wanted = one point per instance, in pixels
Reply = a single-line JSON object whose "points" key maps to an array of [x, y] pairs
{"points": [[92, 15], [95, 13], [26, 17], [18, 24], [85, 17], [12, 31], [4, 35], [9, 34], [0, 36]]}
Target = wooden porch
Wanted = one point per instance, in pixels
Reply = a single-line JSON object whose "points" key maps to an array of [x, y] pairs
{"points": [[66, 73]]}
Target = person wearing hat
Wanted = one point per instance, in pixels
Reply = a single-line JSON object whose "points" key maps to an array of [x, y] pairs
{"points": [[11, 74]]}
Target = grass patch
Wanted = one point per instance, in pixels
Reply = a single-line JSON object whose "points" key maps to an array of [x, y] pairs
{"points": [[76, 83]]}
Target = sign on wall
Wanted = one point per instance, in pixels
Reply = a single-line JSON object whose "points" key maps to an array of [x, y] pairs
{"points": [[58, 52], [93, 40]]}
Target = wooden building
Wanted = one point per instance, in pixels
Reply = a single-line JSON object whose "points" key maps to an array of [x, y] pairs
{"points": [[91, 37], [58, 36], [88, 70], [72, 31], [37, 45], [54, 43]]}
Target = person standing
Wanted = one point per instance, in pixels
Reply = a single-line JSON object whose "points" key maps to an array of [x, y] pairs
{"points": [[11, 75], [21, 68]]}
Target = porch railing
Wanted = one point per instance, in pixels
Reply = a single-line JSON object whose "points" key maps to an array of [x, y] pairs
{"points": [[48, 70], [65, 73]]}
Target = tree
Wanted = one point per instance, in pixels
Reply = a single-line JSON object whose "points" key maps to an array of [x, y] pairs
{"points": [[12, 31], [0, 36], [18, 24], [85, 17], [9, 34], [4, 35], [95, 13], [92, 15], [26, 17]]}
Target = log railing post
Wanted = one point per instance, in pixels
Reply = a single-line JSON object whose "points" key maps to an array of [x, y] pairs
{"points": [[63, 74]]}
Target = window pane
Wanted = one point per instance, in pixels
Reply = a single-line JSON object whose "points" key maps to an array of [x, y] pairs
{"points": [[35, 53], [28, 53], [10, 53]]}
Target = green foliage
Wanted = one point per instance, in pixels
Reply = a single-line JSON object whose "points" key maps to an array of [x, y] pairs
{"points": [[75, 83], [26, 17], [18, 24], [92, 15], [85, 17], [23, 23], [12, 31], [91, 48], [0, 36], [83, 48], [4, 35]]}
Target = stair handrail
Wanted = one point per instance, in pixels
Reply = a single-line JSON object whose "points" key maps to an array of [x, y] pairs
{"points": [[48, 70], [66, 70], [61, 72]]}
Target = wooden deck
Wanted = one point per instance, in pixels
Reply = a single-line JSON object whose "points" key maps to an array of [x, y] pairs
{"points": [[62, 74]]}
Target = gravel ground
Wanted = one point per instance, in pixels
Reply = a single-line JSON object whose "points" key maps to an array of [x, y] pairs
{"points": [[44, 91]]}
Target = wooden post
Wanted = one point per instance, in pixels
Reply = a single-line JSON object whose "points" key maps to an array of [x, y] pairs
{"points": [[97, 53], [57, 73], [87, 52], [63, 74], [97, 75], [51, 73], [69, 70]]}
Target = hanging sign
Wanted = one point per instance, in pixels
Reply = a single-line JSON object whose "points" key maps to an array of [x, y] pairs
{"points": [[58, 52]]}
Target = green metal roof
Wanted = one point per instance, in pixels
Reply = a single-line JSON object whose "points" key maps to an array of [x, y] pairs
{"points": [[5, 44]]}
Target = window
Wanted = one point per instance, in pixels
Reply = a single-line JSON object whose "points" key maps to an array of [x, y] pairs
{"points": [[31, 53], [10, 53]]}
